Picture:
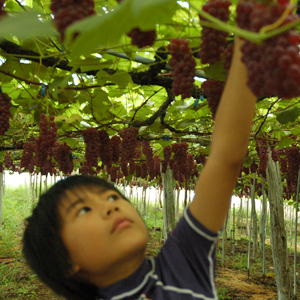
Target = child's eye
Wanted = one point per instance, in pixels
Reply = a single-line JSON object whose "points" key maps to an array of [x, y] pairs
{"points": [[112, 198], [83, 210]]}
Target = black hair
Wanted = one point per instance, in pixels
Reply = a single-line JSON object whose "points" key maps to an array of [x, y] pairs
{"points": [[43, 247]]}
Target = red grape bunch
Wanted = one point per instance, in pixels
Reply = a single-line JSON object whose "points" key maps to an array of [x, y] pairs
{"points": [[213, 40], [273, 67], [4, 112], [44, 143], [213, 90], [115, 143], [62, 154], [293, 162], [262, 151], [105, 148], [142, 38], [28, 158], [183, 67], [180, 159], [67, 12], [167, 155], [91, 139], [128, 144], [147, 150], [2, 11]]}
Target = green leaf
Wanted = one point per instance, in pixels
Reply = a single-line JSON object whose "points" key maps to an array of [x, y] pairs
{"points": [[286, 142], [25, 25], [288, 115], [121, 78], [69, 120], [107, 29], [216, 71], [186, 123]]}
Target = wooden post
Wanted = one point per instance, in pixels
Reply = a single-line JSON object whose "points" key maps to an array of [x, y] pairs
{"points": [[168, 207]]}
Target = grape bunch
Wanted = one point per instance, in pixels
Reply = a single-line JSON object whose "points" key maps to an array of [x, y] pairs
{"points": [[105, 148], [293, 161], [8, 162], [44, 143], [124, 168], [167, 155], [213, 40], [138, 171], [180, 159], [274, 67], [213, 90], [67, 12], [115, 143], [132, 167], [183, 67], [128, 144], [28, 158], [142, 38], [113, 172], [144, 171], [156, 161], [91, 139], [4, 112], [147, 150], [228, 53], [62, 154], [262, 151]]}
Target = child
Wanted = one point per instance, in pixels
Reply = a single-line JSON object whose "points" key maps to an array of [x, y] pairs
{"points": [[86, 241]]}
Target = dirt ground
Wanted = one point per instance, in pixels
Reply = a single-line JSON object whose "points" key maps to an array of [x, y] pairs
{"points": [[232, 282]]}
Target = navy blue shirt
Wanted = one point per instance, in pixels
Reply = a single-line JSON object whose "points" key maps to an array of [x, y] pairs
{"points": [[183, 270]]}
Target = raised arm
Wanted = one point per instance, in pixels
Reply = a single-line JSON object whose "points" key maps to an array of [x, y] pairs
{"points": [[228, 149]]}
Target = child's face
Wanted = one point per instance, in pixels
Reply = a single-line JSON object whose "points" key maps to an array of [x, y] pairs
{"points": [[103, 233]]}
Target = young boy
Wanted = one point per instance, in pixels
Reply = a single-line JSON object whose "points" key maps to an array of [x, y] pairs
{"points": [[86, 241]]}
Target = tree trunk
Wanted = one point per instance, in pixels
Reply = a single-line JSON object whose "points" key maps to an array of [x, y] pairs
{"points": [[168, 206], [278, 233]]}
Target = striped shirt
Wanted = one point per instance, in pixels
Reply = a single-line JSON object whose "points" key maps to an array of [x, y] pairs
{"points": [[183, 270]]}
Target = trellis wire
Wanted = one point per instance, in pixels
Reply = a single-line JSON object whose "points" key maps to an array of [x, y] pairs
{"points": [[296, 224], [249, 244]]}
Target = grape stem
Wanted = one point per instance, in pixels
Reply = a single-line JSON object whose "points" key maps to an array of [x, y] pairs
{"points": [[254, 37]]}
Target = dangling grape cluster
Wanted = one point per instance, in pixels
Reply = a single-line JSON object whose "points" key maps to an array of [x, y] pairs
{"points": [[62, 154], [262, 151], [4, 112], [28, 159], [142, 38], [115, 143], [91, 139], [128, 144], [273, 67], [228, 53], [293, 160], [147, 150], [67, 12], [180, 159], [44, 143], [167, 155], [213, 41], [213, 90], [183, 67], [105, 148]]}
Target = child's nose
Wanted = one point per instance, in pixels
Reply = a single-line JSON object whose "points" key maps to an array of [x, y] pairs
{"points": [[109, 208]]}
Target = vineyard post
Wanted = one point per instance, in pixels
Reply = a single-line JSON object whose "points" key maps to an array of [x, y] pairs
{"points": [[168, 206], [1, 201], [254, 225], [155, 200], [296, 225], [223, 244], [247, 220], [291, 228], [263, 225], [249, 243], [30, 186], [177, 204], [233, 230], [242, 218]]}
